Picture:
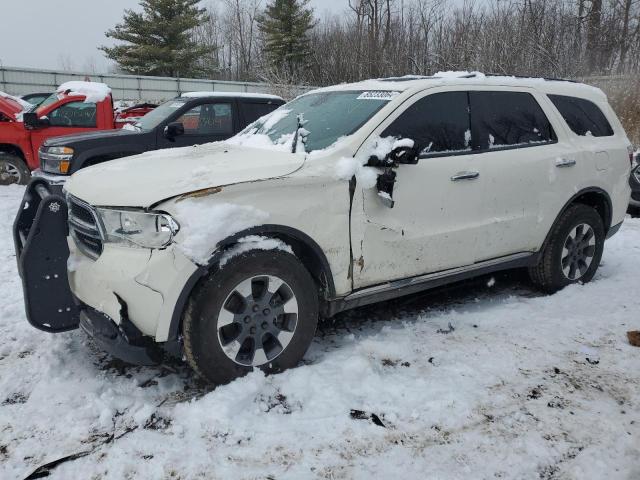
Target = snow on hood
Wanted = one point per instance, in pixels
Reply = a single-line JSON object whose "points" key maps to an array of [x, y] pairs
{"points": [[146, 179], [94, 92]]}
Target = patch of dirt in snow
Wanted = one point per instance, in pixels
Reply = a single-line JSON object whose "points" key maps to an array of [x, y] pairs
{"points": [[515, 385]]}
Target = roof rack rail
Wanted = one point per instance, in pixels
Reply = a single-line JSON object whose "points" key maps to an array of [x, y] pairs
{"points": [[549, 79]]}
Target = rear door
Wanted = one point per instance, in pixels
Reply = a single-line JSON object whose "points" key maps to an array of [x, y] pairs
{"points": [[207, 121], [518, 149]]}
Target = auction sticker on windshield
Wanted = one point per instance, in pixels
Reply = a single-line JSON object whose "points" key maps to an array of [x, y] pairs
{"points": [[377, 95]]}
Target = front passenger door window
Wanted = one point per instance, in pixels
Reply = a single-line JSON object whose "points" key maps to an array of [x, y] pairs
{"points": [[74, 114], [208, 119], [439, 124]]}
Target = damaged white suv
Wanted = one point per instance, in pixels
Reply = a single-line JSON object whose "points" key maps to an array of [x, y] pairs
{"points": [[229, 253]]}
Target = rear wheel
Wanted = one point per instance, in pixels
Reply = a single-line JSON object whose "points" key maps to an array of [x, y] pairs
{"points": [[259, 311], [573, 252], [13, 170]]}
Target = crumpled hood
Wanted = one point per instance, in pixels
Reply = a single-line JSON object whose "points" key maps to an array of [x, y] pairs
{"points": [[10, 107], [146, 179]]}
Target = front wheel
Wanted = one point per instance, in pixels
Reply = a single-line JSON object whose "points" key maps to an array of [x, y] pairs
{"points": [[258, 311], [13, 170], [573, 251]]}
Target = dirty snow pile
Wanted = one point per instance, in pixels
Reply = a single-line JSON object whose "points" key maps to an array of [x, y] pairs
{"points": [[488, 380], [95, 92]]}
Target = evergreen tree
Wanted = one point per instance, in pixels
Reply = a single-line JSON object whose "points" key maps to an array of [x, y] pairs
{"points": [[159, 39], [285, 25]]}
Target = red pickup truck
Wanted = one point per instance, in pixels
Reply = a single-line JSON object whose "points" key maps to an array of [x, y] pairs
{"points": [[75, 107]]}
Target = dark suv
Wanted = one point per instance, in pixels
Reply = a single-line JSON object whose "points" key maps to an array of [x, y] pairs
{"points": [[190, 119]]}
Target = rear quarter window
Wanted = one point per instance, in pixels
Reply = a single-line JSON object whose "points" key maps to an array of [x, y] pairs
{"points": [[583, 116]]}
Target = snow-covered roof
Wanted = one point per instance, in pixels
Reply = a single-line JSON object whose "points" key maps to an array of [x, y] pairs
{"points": [[416, 82], [265, 96], [93, 91]]}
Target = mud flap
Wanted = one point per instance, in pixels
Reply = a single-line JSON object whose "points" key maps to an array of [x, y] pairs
{"points": [[40, 237]]}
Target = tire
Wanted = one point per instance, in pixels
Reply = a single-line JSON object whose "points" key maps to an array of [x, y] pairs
{"points": [[573, 251], [220, 355], [13, 170]]}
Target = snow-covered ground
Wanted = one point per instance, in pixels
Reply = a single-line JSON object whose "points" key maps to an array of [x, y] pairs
{"points": [[487, 380]]}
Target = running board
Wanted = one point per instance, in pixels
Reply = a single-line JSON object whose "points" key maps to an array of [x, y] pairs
{"points": [[398, 288]]}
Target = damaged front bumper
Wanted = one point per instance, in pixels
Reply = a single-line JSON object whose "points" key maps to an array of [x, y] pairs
{"points": [[125, 299]]}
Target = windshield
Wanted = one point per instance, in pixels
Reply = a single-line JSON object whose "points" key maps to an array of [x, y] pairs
{"points": [[327, 117], [156, 116], [53, 98]]}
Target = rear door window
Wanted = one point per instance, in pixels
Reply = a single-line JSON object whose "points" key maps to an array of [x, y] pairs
{"points": [[508, 120], [582, 116], [252, 111], [438, 124]]}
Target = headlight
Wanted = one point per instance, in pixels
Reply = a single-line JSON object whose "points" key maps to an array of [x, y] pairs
{"points": [[137, 228], [56, 159]]}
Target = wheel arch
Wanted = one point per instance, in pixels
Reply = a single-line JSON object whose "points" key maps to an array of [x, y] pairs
{"points": [[303, 246], [594, 197], [12, 149]]}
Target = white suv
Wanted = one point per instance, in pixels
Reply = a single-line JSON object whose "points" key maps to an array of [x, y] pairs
{"points": [[348, 195]]}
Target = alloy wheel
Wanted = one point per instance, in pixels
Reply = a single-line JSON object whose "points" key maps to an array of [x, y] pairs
{"points": [[578, 251], [9, 174], [257, 320]]}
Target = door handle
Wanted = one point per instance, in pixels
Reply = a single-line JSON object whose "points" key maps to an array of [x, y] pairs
{"points": [[465, 176], [565, 162]]}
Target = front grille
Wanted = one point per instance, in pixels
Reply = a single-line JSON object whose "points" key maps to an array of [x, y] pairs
{"points": [[83, 227], [635, 196]]}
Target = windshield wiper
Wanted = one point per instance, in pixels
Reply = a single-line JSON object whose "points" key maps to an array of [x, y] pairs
{"points": [[301, 132]]}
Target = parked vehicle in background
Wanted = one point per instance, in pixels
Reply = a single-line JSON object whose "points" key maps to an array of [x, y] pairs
{"points": [[75, 107], [36, 98], [346, 196], [133, 113], [634, 183], [191, 119]]}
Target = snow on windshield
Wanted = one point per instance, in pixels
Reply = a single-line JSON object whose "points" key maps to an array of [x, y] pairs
{"points": [[94, 92], [327, 117]]}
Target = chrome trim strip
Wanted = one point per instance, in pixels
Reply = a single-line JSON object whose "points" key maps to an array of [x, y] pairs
{"points": [[383, 287]]}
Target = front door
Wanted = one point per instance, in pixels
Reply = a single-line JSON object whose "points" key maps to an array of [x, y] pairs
{"points": [[434, 223], [204, 123], [67, 119]]}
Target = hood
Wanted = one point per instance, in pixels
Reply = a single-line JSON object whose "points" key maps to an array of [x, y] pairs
{"points": [[146, 179], [10, 107], [79, 137]]}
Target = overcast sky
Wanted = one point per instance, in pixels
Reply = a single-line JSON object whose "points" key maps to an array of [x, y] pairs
{"points": [[53, 33]]}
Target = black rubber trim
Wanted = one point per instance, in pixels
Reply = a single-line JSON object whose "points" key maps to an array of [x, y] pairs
{"points": [[341, 304], [608, 212], [613, 230], [131, 347], [276, 231]]}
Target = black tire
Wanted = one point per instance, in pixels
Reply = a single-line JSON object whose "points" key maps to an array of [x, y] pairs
{"points": [[202, 345], [548, 274], [13, 170]]}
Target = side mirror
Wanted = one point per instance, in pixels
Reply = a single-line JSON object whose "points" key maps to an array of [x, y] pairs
{"points": [[404, 154], [173, 130], [31, 120], [399, 155]]}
